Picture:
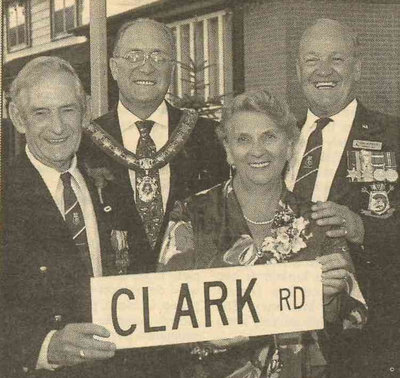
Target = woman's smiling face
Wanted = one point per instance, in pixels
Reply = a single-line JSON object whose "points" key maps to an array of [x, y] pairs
{"points": [[257, 147]]}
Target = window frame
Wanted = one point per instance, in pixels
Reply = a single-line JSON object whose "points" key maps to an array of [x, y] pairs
{"points": [[27, 29], [221, 17], [77, 19]]}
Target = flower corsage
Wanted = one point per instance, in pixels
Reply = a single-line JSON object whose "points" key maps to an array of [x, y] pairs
{"points": [[288, 237]]}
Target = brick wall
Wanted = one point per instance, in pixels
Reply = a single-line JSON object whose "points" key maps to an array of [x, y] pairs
{"points": [[377, 24], [265, 47]]}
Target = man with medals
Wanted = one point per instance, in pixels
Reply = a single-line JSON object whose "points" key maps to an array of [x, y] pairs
{"points": [[152, 151], [346, 160]]}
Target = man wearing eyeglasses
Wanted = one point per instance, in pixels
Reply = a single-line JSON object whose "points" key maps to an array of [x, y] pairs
{"points": [[144, 128]]}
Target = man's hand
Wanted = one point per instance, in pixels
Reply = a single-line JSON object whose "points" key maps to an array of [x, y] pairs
{"points": [[335, 275], [75, 344], [350, 224]]}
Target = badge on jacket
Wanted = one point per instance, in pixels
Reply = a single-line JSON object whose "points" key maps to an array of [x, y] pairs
{"points": [[379, 202]]}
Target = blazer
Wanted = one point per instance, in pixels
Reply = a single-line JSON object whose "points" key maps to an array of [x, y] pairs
{"points": [[377, 263], [46, 283], [199, 165]]}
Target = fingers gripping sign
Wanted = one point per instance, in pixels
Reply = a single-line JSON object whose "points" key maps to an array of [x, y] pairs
{"points": [[345, 222], [335, 275], [75, 344]]}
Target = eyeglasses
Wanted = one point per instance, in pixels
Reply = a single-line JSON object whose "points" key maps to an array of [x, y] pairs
{"points": [[139, 57]]}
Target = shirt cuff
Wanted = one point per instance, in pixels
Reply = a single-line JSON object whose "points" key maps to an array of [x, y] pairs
{"points": [[355, 291], [42, 362]]}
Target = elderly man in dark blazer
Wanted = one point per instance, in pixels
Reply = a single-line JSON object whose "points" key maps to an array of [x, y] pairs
{"points": [[145, 127], [346, 160], [56, 234]]}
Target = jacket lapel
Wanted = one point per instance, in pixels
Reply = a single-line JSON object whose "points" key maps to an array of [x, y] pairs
{"points": [[103, 225], [43, 215]]}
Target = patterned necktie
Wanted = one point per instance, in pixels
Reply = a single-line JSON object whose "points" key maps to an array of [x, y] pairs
{"points": [[75, 221], [305, 182], [148, 189]]}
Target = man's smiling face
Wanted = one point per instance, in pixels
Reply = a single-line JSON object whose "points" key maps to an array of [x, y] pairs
{"points": [[328, 68], [144, 83]]}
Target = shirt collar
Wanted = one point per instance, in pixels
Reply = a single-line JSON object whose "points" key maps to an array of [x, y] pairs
{"points": [[50, 175], [127, 118], [348, 113]]}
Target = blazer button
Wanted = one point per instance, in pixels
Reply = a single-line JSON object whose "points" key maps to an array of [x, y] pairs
{"points": [[392, 369], [43, 269], [58, 318]]}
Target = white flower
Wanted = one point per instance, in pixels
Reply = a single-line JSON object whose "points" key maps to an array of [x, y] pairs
{"points": [[283, 238], [297, 244], [268, 244], [284, 248], [287, 239], [300, 224]]}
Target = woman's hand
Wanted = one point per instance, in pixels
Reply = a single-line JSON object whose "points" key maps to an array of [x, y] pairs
{"points": [[335, 275], [350, 224]]}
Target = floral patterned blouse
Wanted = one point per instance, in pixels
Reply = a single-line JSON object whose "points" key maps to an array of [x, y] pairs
{"points": [[209, 230]]}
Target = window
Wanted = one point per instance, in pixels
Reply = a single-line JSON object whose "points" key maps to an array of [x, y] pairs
{"points": [[17, 25], [204, 57], [65, 15]]}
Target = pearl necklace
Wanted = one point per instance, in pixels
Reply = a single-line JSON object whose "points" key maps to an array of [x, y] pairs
{"points": [[261, 223]]}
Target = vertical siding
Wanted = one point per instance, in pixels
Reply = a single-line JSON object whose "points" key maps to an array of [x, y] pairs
{"points": [[40, 22]]}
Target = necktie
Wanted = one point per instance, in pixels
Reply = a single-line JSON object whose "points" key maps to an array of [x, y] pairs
{"points": [[305, 182], [148, 190], [75, 221]]}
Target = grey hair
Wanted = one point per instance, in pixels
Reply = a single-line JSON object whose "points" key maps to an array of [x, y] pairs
{"points": [[39, 67], [355, 40], [259, 101], [122, 30]]}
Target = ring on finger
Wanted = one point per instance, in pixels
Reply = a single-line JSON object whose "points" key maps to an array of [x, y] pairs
{"points": [[82, 353]]}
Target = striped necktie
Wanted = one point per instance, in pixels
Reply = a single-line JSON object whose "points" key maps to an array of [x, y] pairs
{"points": [[307, 175], [75, 221], [148, 187]]}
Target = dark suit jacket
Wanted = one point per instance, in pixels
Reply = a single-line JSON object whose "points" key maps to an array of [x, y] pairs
{"points": [[46, 282], [199, 165], [378, 263]]}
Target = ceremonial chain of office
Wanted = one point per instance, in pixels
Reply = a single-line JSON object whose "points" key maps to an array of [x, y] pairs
{"points": [[117, 151]]}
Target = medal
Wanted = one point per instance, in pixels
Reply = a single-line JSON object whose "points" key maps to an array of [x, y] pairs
{"points": [[379, 175], [392, 175], [147, 188], [371, 166]]}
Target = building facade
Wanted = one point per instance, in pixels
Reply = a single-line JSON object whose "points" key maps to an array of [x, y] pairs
{"points": [[223, 46]]}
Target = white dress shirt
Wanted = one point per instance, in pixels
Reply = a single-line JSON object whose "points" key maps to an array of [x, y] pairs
{"points": [[159, 133], [334, 135], [52, 180]]}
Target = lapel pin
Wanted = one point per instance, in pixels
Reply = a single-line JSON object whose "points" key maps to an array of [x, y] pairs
{"points": [[364, 126], [107, 209]]}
